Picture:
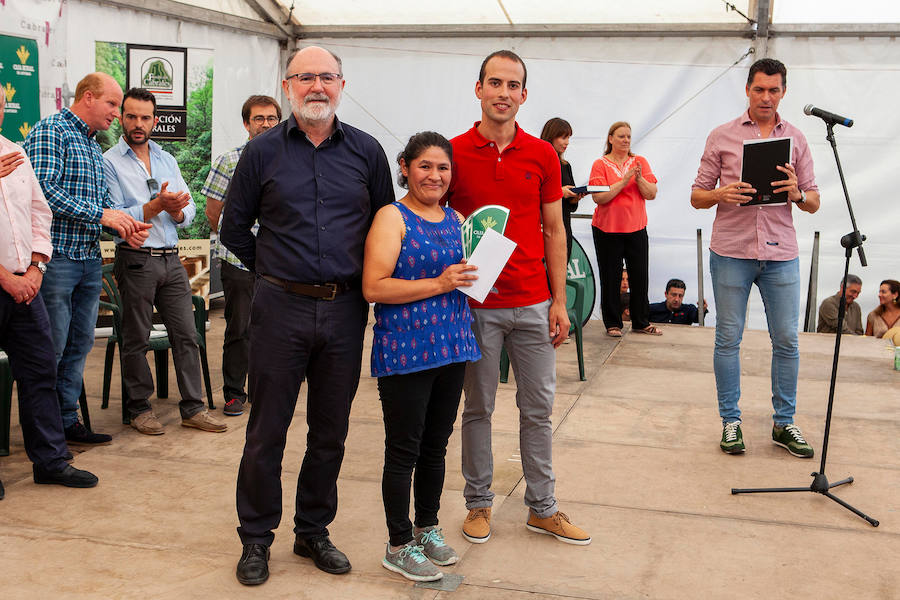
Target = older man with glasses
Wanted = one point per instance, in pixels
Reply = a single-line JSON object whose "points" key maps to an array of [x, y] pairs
{"points": [[140, 174], [313, 183], [260, 113]]}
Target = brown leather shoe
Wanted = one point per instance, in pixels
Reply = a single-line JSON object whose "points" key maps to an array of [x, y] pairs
{"points": [[477, 526], [148, 424], [206, 422], [559, 526]]}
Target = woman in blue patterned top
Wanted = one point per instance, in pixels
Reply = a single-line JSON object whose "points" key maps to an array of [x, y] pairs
{"points": [[423, 339]]}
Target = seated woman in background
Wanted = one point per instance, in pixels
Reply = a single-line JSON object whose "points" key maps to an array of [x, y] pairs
{"points": [[620, 230], [887, 315], [422, 340], [557, 132]]}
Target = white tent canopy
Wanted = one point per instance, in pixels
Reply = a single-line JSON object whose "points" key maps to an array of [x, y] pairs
{"points": [[672, 69]]}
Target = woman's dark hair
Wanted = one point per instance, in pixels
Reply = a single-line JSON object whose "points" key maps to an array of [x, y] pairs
{"points": [[418, 144], [555, 128], [612, 130], [894, 287]]}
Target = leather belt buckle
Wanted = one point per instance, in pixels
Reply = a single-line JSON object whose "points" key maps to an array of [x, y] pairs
{"points": [[328, 286]]}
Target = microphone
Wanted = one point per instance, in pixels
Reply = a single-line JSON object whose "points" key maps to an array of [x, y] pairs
{"points": [[826, 116]]}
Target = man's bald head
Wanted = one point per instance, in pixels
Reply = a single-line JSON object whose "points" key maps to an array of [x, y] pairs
{"points": [[97, 100], [311, 52]]}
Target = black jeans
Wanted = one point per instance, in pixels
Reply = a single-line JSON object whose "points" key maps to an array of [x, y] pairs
{"points": [[295, 339], [25, 337], [634, 248], [419, 412], [237, 285]]}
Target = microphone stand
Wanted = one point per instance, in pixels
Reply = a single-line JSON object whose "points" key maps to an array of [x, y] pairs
{"points": [[854, 239]]}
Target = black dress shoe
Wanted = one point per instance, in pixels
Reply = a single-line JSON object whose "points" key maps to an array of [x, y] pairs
{"points": [[78, 435], [69, 477], [253, 568], [324, 554]]}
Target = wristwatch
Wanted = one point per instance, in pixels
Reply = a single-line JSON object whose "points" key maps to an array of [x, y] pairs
{"points": [[802, 198], [40, 266]]}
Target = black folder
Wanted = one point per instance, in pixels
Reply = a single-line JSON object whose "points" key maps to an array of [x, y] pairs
{"points": [[758, 168]]}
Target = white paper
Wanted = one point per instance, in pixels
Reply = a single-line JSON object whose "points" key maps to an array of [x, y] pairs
{"points": [[490, 256]]}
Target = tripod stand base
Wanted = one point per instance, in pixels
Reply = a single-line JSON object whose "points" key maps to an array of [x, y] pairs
{"points": [[819, 485]]}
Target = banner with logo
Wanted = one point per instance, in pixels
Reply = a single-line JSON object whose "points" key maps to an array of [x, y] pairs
{"points": [[161, 70], [21, 86]]}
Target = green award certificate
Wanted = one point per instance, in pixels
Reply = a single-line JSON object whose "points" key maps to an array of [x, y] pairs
{"points": [[491, 216]]}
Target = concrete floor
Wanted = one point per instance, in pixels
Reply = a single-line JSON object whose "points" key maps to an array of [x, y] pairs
{"points": [[637, 466]]}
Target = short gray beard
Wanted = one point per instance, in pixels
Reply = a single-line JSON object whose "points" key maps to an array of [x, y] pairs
{"points": [[312, 113]]}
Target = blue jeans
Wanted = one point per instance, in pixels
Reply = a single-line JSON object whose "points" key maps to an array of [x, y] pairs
{"points": [[779, 286], [71, 292]]}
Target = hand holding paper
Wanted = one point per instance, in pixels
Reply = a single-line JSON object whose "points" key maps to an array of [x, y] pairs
{"points": [[490, 256]]}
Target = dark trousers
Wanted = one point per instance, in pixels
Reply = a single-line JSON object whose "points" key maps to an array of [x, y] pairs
{"points": [[237, 285], [567, 223], [611, 249], [144, 282], [25, 337], [419, 411], [293, 338]]}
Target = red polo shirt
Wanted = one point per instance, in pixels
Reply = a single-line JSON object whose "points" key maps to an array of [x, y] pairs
{"points": [[521, 178]]}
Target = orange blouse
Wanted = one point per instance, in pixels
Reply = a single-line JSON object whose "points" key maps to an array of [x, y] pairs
{"points": [[626, 212]]}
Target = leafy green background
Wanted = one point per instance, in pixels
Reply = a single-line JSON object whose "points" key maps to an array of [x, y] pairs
{"points": [[193, 155]]}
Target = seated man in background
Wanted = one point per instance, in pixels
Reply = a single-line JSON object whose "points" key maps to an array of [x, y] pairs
{"points": [[828, 310], [672, 310]]}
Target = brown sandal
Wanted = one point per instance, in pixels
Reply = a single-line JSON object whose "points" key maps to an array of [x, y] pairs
{"points": [[649, 330], [614, 332]]}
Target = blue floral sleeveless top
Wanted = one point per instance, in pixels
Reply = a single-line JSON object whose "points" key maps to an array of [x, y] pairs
{"points": [[432, 332]]}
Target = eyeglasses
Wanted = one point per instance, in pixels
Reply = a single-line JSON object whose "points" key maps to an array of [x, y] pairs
{"points": [[310, 78], [153, 187], [260, 119]]}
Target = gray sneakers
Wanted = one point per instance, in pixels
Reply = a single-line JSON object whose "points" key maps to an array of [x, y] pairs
{"points": [[411, 563], [431, 539]]}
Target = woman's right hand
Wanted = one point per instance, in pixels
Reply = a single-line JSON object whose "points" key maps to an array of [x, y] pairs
{"points": [[458, 275], [567, 192]]}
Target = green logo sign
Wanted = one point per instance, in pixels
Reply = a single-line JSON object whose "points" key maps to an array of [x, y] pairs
{"points": [[491, 216], [580, 269], [156, 75], [19, 83]]}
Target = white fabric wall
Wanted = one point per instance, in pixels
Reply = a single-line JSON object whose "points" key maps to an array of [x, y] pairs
{"points": [[243, 64], [397, 87]]}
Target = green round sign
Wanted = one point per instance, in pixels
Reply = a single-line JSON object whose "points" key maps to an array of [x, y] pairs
{"points": [[580, 269]]}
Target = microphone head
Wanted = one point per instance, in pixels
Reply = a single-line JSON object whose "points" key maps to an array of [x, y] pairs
{"points": [[807, 110]]}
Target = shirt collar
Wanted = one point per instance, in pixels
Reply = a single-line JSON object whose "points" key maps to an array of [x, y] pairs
{"points": [[481, 141], [746, 120], [123, 148], [337, 134], [79, 124]]}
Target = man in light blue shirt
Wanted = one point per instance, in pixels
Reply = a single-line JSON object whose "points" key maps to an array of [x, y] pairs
{"points": [[145, 181]]}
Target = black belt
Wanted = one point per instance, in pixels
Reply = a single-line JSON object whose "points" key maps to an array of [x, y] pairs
{"points": [[150, 251], [322, 291]]}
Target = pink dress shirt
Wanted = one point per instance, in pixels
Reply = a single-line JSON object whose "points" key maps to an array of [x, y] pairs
{"points": [[754, 232], [24, 215]]}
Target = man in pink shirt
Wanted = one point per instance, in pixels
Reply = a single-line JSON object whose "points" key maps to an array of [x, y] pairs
{"points": [[756, 244], [24, 325]]}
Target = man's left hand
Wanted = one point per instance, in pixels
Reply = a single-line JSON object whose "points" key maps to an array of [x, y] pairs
{"points": [[788, 185], [559, 323]]}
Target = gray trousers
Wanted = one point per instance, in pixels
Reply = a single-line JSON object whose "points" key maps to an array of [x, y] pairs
{"points": [[525, 331], [145, 281]]}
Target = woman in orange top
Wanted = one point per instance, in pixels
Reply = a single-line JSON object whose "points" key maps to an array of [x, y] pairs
{"points": [[620, 229]]}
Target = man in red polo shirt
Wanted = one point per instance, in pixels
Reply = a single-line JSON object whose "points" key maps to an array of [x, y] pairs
{"points": [[496, 162]]}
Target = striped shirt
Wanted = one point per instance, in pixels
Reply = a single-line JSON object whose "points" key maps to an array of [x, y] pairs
{"points": [[215, 187], [69, 166]]}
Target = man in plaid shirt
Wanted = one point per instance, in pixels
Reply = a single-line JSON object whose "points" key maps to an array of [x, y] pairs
{"points": [[259, 113], [69, 166]]}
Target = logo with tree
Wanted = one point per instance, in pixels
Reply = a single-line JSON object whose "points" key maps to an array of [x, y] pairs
{"points": [[156, 75]]}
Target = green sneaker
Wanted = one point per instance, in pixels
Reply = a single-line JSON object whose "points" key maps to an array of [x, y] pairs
{"points": [[790, 438], [732, 439]]}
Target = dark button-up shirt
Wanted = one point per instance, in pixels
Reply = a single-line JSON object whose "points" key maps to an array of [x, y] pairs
{"points": [[314, 204], [685, 315]]}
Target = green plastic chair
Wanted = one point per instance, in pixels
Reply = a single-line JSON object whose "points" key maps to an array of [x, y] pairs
{"points": [[575, 308], [159, 344]]}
